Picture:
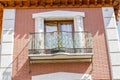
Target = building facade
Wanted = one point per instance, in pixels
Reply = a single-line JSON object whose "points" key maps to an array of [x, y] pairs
{"points": [[59, 40]]}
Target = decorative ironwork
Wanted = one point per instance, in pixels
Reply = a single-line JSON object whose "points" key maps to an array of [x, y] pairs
{"points": [[53, 42]]}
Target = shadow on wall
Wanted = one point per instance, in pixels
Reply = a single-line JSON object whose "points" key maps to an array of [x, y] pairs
{"points": [[20, 65], [7, 75]]}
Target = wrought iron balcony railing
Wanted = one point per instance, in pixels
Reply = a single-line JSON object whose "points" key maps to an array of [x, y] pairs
{"points": [[54, 42]]}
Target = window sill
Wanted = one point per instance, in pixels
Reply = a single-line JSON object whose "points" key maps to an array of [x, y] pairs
{"points": [[60, 57]]}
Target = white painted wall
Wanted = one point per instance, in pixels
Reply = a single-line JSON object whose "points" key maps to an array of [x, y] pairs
{"points": [[62, 76], [7, 43], [115, 59], [112, 40], [111, 34], [116, 72]]}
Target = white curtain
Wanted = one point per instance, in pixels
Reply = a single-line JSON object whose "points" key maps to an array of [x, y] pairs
{"points": [[62, 40], [66, 35], [51, 37]]}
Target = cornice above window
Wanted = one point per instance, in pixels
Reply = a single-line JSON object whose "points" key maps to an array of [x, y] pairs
{"points": [[59, 15]]}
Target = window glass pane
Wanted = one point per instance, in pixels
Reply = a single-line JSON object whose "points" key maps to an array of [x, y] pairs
{"points": [[66, 40], [51, 27], [66, 27], [51, 36]]}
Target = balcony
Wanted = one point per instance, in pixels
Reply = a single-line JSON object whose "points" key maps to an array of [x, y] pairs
{"points": [[52, 47]]}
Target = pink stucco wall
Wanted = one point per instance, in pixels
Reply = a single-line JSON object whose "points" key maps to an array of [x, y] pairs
{"points": [[93, 22]]}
